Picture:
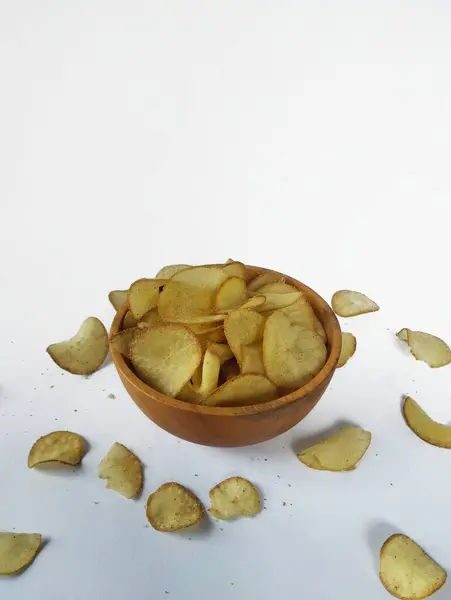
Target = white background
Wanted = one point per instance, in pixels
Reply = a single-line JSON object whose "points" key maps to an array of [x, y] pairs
{"points": [[311, 137]]}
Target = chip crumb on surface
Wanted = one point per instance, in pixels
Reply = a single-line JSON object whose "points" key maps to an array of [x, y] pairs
{"points": [[112, 396]]}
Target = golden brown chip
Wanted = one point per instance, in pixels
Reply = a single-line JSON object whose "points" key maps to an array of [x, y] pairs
{"points": [[84, 353], [406, 571], [172, 507], [118, 298], [62, 447], [234, 269], [166, 356], [252, 358], [180, 302], [243, 390], [347, 303], [424, 427], [129, 321], [17, 551], [143, 296], [348, 347], [120, 341], [170, 270], [263, 279], [151, 318], [292, 355], [123, 471], [230, 294], [339, 452], [426, 347], [243, 327], [234, 497]]}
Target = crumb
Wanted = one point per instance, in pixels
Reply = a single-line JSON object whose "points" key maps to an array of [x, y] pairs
{"points": [[196, 474], [96, 502], [52, 386], [221, 528], [112, 396], [266, 460], [289, 485], [75, 410], [284, 503], [278, 476]]}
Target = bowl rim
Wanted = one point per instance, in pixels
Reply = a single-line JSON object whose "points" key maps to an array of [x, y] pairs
{"points": [[334, 342]]}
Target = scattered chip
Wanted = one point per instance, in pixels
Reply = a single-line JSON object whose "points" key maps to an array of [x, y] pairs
{"points": [[424, 427], [166, 356], [263, 279], [339, 452], [348, 347], [62, 447], [123, 471], [347, 303], [252, 358], [85, 352], [243, 327], [230, 294], [406, 571], [292, 355], [172, 507], [118, 298], [120, 341], [143, 296], [243, 390], [170, 270], [234, 497], [426, 347], [17, 551]]}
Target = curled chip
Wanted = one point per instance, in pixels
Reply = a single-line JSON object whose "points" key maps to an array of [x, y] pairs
{"points": [[339, 452], [254, 302], [348, 347], [120, 341], [243, 390], [264, 279], [292, 355], [252, 358], [276, 300], [426, 347], [122, 470], [85, 352], [62, 447], [166, 356], [172, 507], [143, 296], [17, 551], [277, 288], [231, 293], [118, 298], [424, 427], [406, 571], [347, 303], [234, 497], [234, 269], [210, 374], [243, 327], [170, 270]]}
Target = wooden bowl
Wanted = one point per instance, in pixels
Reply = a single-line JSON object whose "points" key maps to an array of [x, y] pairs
{"points": [[237, 426]]}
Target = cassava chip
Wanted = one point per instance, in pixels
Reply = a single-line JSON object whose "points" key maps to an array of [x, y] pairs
{"points": [[231, 293], [172, 507], [211, 366], [274, 301], [120, 341], [277, 288], [424, 427], [426, 347], [62, 447], [252, 358], [170, 270], [243, 327], [117, 298], [347, 303], [180, 302], [222, 350], [234, 497], [406, 571], [301, 313], [122, 470], [234, 269], [129, 321], [339, 452], [254, 302], [85, 352], [143, 296], [166, 356], [292, 355], [17, 551], [151, 318], [207, 278], [189, 394], [263, 279], [243, 390], [348, 347]]}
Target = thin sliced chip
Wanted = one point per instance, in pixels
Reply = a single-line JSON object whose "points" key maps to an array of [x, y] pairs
{"points": [[184, 303], [276, 301], [84, 353], [252, 358], [222, 350], [123, 471], [217, 335], [243, 327], [17, 551], [210, 374], [234, 269], [348, 347], [339, 452], [347, 303], [118, 298], [292, 355], [189, 394], [230, 294], [243, 390], [277, 288], [234, 497], [406, 571], [424, 427], [166, 356], [230, 369], [253, 302], [427, 348], [143, 296], [208, 277], [170, 270], [263, 279], [172, 507], [129, 321], [120, 341], [62, 447], [319, 328], [151, 318], [301, 313]]}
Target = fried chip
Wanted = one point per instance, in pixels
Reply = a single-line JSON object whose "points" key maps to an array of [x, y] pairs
{"points": [[143, 296], [123, 471], [254, 302], [263, 279], [234, 269], [166, 356], [426, 347], [347, 303], [17, 551], [207, 277], [424, 427], [234, 497], [222, 350], [151, 318], [217, 335], [274, 301], [211, 366], [230, 294], [406, 571], [348, 347], [277, 288], [301, 313], [189, 394], [180, 302], [243, 327], [252, 358], [120, 341], [129, 321], [243, 390], [84, 353], [230, 369], [172, 507], [292, 355], [170, 270], [339, 452], [118, 298], [62, 447]]}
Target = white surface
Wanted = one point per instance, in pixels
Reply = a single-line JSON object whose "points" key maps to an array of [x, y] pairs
{"points": [[311, 137]]}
